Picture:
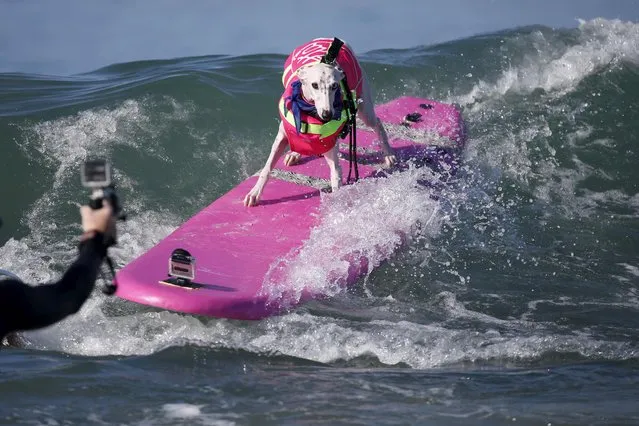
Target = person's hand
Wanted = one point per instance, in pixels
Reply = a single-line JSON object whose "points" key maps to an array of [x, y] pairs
{"points": [[100, 220]]}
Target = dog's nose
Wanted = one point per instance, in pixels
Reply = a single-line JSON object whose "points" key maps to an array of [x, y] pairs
{"points": [[326, 115]]}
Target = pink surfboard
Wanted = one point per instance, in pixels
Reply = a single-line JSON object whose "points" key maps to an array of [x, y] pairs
{"points": [[235, 247]]}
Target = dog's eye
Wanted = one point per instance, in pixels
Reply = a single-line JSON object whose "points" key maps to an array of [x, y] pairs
{"points": [[334, 86], [315, 86]]}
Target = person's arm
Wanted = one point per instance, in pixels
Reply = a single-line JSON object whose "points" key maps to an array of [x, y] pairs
{"points": [[25, 307]]}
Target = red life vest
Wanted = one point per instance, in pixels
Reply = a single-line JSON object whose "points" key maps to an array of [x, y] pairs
{"points": [[316, 136]]}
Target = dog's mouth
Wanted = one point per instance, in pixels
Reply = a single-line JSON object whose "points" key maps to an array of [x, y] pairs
{"points": [[316, 113], [322, 118]]}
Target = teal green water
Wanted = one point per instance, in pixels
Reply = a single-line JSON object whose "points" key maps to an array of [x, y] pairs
{"points": [[516, 302]]}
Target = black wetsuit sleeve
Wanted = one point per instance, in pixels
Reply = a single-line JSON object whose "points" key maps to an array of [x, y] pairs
{"points": [[25, 307]]}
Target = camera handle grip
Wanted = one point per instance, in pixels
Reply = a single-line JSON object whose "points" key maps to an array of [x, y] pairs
{"points": [[95, 203]]}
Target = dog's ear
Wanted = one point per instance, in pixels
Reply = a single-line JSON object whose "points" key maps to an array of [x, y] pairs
{"points": [[340, 72]]}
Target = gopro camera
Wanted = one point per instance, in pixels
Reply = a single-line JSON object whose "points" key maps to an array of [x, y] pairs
{"points": [[96, 174], [182, 265]]}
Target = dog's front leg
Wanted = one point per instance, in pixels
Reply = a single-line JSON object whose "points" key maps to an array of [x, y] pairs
{"points": [[279, 145], [332, 159]]}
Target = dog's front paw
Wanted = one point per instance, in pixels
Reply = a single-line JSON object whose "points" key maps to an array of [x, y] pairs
{"points": [[292, 158], [390, 160], [253, 197]]}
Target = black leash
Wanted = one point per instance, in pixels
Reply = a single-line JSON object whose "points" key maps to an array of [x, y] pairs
{"points": [[352, 146]]}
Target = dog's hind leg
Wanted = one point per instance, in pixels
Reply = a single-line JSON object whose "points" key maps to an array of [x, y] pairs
{"points": [[366, 112]]}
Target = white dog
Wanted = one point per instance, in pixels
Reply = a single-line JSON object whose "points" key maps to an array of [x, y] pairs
{"points": [[322, 78]]}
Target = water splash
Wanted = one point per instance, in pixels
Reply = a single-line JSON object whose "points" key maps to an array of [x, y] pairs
{"points": [[360, 226]]}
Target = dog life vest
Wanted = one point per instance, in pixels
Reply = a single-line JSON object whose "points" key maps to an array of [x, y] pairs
{"points": [[315, 137]]}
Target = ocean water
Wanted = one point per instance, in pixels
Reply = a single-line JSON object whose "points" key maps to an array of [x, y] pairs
{"points": [[518, 303]]}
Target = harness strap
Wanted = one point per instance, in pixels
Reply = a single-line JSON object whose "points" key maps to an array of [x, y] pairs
{"points": [[333, 50]]}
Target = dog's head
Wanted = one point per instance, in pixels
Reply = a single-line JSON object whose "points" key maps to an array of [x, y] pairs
{"points": [[319, 84]]}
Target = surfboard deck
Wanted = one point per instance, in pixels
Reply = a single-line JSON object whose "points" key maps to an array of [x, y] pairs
{"points": [[235, 246]]}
